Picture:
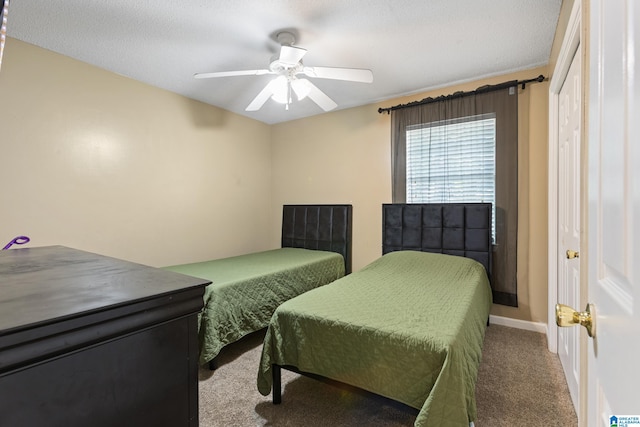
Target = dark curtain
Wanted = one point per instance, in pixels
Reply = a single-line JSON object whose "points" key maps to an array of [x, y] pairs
{"points": [[504, 104]]}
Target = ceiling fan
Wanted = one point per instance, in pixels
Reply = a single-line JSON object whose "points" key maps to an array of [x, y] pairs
{"points": [[287, 65]]}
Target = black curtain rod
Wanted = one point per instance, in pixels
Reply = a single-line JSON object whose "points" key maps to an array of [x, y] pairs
{"points": [[482, 89]]}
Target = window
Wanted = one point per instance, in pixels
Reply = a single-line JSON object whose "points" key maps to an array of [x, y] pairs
{"points": [[463, 147], [452, 161]]}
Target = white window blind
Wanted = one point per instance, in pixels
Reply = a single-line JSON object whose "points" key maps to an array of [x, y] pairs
{"points": [[452, 161]]}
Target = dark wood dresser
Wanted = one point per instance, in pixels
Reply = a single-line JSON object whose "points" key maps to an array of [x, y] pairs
{"points": [[88, 340]]}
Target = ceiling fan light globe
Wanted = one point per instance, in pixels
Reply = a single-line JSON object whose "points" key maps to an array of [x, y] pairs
{"points": [[301, 88], [281, 90], [279, 98]]}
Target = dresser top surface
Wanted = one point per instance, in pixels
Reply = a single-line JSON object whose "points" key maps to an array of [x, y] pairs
{"points": [[55, 282]]}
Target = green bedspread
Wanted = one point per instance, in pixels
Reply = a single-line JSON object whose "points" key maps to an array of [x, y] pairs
{"points": [[408, 326], [246, 290]]}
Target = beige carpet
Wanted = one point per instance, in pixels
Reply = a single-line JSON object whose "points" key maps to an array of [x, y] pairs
{"points": [[519, 384]]}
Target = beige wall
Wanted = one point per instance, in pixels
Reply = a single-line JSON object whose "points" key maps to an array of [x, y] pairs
{"points": [[339, 157], [99, 162], [344, 157], [95, 161]]}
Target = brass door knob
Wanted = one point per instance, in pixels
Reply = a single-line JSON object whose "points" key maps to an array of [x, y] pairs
{"points": [[567, 316], [572, 254]]}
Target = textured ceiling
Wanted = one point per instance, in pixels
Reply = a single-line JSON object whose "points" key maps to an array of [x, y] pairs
{"points": [[410, 45]]}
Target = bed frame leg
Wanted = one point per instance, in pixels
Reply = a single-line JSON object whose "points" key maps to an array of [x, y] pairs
{"points": [[213, 365], [277, 392]]}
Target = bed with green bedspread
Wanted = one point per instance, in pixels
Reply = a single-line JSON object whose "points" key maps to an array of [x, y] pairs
{"points": [[246, 290], [409, 326]]}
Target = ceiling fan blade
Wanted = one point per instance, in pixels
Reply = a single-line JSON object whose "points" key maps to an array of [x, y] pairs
{"points": [[262, 97], [231, 74], [319, 97], [291, 55], [349, 74]]}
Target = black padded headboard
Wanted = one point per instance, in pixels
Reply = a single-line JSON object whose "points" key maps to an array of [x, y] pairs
{"points": [[321, 227], [462, 229]]}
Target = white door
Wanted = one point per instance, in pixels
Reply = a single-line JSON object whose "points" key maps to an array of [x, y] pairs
{"points": [[614, 211], [569, 118]]}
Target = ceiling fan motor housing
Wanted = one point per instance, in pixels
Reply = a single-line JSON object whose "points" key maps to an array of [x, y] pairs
{"points": [[283, 68]]}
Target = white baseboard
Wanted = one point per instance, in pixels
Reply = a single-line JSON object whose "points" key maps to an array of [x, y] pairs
{"points": [[518, 324]]}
